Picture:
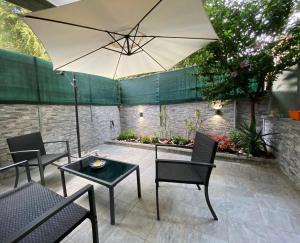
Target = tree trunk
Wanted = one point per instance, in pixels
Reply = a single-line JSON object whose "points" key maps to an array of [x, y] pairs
{"points": [[252, 114]]}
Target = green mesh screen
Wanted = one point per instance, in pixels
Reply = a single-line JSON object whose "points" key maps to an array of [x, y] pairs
{"points": [[17, 78], [177, 86], [163, 88], [142, 90], [53, 88], [26, 79], [104, 91]]}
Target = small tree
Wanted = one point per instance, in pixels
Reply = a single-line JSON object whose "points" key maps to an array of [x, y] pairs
{"points": [[193, 124], [258, 40]]}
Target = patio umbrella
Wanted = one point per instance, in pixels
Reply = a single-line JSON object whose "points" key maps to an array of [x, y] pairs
{"points": [[120, 38]]}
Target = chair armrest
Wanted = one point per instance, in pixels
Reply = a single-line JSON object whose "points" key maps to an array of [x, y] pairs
{"points": [[38, 153], [25, 151], [16, 165], [173, 145], [170, 145], [184, 162], [58, 141], [51, 212]]}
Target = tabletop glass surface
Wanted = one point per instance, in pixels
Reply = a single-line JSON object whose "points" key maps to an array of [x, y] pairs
{"points": [[109, 173]]}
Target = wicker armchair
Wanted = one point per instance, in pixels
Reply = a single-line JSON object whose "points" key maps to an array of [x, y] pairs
{"points": [[31, 147], [32, 213], [197, 171]]}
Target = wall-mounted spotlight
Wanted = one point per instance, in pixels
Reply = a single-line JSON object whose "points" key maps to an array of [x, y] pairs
{"points": [[218, 112], [217, 106], [141, 114]]}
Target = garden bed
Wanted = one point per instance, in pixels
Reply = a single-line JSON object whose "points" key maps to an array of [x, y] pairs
{"points": [[237, 158]]}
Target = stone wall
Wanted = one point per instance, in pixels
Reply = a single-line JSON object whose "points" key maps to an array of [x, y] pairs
{"points": [[57, 122], [177, 113], [146, 125], [287, 143]]}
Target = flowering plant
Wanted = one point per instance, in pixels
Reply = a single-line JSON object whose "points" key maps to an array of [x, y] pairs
{"points": [[224, 143]]}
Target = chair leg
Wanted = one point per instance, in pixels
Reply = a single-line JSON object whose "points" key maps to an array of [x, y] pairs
{"points": [[199, 188], [93, 215], [41, 169], [17, 176], [69, 154], [208, 203], [95, 231], [157, 203]]}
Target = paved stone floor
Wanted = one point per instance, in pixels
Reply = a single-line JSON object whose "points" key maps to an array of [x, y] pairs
{"points": [[253, 203]]}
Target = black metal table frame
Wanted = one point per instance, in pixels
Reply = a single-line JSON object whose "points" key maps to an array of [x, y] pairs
{"points": [[109, 185]]}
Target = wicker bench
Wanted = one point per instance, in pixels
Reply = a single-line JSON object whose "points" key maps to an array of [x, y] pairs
{"points": [[33, 213]]}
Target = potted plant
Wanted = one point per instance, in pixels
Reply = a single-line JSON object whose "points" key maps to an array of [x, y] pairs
{"points": [[295, 115]]}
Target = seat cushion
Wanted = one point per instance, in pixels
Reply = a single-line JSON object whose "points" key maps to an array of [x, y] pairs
{"points": [[21, 206], [47, 159], [179, 173]]}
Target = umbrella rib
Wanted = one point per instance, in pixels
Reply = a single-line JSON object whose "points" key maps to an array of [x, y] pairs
{"points": [[89, 53], [177, 37], [142, 45], [119, 60], [71, 24], [136, 31], [149, 55], [122, 47], [145, 16]]}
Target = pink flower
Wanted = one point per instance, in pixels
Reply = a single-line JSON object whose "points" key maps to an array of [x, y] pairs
{"points": [[244, 64], [233, 74]]}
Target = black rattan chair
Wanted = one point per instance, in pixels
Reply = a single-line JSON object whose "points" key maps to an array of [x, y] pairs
{"points": [[31, 147], [197, 171], [34, 214]]}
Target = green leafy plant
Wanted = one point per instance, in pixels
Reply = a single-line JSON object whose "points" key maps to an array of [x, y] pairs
{"points": [[154, 139], [15, 34], [194, 124], [145, 139], [183, 141], [235, 137], [179, 140], [252, 141], [127, 135]]}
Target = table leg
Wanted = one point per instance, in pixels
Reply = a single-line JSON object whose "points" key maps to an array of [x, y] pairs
{"points": [[112, 205], [62, 174], [138, 182]]}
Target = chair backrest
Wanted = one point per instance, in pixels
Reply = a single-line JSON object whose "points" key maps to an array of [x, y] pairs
{"points": [[204, 150], [26, 142]]}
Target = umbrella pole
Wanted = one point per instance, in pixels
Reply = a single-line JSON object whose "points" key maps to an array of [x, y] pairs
{"points": [[76, 114]]}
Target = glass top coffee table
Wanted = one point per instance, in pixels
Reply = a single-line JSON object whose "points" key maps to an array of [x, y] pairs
{"points": [[110, 175]]}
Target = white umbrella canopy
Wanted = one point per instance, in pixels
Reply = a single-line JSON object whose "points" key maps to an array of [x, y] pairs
{"points": [[118, 38]]}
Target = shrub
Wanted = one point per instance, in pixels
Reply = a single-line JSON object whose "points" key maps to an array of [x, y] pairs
{"points": [[183, 141], [145, 139], [175, 139], [235, 137], [180, 140], [127, 135], [154, 139], [253, 142], [224, 143]]}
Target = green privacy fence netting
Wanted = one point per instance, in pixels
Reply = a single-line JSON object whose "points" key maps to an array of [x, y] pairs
{"points": [[162, 88], [26, 79]]}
